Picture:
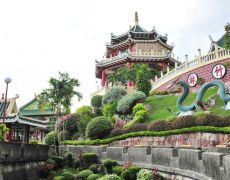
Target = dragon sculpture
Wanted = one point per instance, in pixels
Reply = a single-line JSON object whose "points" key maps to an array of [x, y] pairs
{"points": [[200, 94]]}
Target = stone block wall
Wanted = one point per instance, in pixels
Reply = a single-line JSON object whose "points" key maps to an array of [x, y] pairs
{"points": [[186, 163]]}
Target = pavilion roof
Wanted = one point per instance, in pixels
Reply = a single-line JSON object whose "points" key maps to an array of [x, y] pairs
{"points": [[11, 106], [25, 120], [31, 109]]}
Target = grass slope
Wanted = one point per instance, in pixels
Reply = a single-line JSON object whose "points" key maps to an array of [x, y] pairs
{"points": [[159, 105]]}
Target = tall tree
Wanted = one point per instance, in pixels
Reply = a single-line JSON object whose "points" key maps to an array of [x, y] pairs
{"points": [[60, 93], [227, 37]]}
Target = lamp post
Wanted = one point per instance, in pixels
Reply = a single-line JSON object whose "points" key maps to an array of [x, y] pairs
{"points": [[7, 81]]}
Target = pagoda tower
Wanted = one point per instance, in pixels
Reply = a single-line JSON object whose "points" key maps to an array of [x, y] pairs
{"points": [[137, 45]]}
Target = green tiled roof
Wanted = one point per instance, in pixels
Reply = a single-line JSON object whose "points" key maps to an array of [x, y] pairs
{"points": [[31, 109], [137, 28]]}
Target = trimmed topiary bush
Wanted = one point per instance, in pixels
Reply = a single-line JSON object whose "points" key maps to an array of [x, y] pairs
{"points": [[109, 109], [183, 122], [126, 103], [59, 161], [118, 131], [144, 174], [96, 103], [138, 127], [125, 175], [140, 117], [160, 125], [87, 110], [117, 170], [68, 176], [68, 157], [85, 173], [108, 163], [113, 94], [62, 135], [99, 127], [133, 170], [93, 177], [88, 159], [51, 138], [93, 168], [212, 120], [138, 107]]}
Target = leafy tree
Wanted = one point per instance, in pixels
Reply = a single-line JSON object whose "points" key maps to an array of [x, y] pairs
{"points": [[85, 110], [96, 103], [227, 37], [143, 83], [60, 93]]}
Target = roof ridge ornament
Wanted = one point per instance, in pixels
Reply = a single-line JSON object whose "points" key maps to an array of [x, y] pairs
{"points": [[136, 19]]}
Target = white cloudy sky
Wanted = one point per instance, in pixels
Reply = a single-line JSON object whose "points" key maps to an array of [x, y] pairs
{"points": [[40, 38]]}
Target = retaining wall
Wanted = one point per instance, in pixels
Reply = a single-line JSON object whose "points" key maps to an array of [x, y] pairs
{"points": [[21, 161], [180, 163]]}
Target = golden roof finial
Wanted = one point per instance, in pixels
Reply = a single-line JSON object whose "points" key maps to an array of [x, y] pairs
{"points": [[136, 18]]}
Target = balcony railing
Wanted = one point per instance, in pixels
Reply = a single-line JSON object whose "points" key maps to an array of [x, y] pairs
{"points": [[190, 65]]}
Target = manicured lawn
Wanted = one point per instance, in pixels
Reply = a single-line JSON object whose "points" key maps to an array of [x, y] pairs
{"points": [[159, 105]]}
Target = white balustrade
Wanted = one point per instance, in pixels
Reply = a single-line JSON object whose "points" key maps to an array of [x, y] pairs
{"points": [[189, 65]]}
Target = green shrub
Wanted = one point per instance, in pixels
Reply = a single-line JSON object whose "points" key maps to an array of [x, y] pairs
{"points": [[96, 101], [113, 94], [68, 157], [109, 109], [133, 170], [210, 129], [62, 135], [118, 131], [138, 107], [143, 84], [85, 173], [75, 136], [110, 177], [85, 110], [126, 103], [50, 161], [138, 127], [33, 142], [59, 161], [125, 175], [144, 174], [160, 125], [93, 168], [68, 176], [183, 122], [140, 117], [108, 163], [82, 123], [212, 120], [71, 123], [88, 159], [117, 170], [51, 138], [99, 127], [76, 163], [93, 177]]}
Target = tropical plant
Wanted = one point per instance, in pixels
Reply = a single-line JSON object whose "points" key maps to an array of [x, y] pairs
{"points": [[113, 94], [60, 93], [99, 127], [227, 37], [96, 103], [51, 138], [126, 103]]}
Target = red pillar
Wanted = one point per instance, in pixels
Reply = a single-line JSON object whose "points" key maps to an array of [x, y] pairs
{"points": [[130, 83], [36, 134], [103, 78]]}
